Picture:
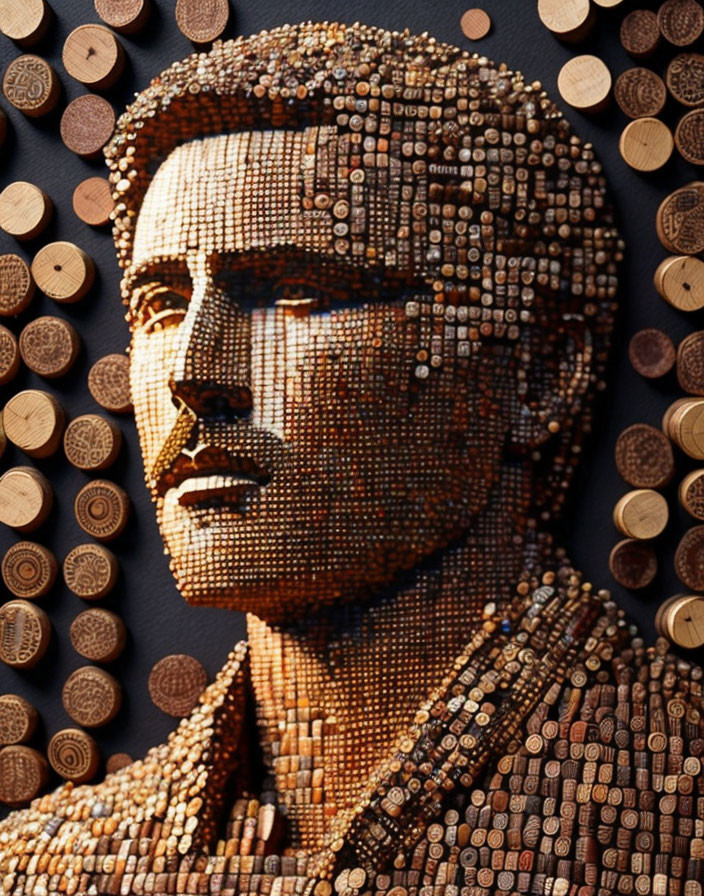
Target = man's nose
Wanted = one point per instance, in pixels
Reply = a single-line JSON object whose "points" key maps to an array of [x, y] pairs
{"points": [[211, 369]]}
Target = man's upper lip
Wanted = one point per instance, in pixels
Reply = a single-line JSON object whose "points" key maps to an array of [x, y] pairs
{"points": [[208, 460]]}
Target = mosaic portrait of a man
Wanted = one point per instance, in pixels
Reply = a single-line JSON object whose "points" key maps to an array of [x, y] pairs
{"points": [[371, 283]]}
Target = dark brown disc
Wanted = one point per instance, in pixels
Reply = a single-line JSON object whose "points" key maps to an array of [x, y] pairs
{"points": [[91, 442], [101, 508], [92, 201], [117, 761], [24, 773], [16, 285], [18, 719], [73, 755], [87, 125], [689, 137], [91, 696], [685, 79], [689, 558], [25, 631], [633, 563], [98, 635], [109, 383], [49, 346], [125, 16], [681, 22], [640, 92], [644, 456], [690, 363], [176, 683], [9, 355], [29, 569], [640, 33], [691, 493], [680, 220], [31, 85], [651, 352], [90, 571], [202, 20]]}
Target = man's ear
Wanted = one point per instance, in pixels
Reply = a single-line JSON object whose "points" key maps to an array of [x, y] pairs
{"points": [[556, 361]]}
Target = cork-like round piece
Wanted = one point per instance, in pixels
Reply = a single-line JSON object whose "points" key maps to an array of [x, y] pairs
{"points": [[646, 144], [644, 456], [640, 93], [101, 508], [651, 353], [25, 210], [25, 632], [691, 493], [680, 281], [91, 442], [74, 755], [31, 85], [91, 696], [98, 635], [681, 620], [641, 513], [685, 79], [29, 569], [689, 558], [176, 683], [16, 285], [63, 271], [117, 761], [570, 20], [34, 421], [475, 24], [26, 498], [640, 33], [679, 221], [690, 363], [49, 346], [109, 383], [9, 356], [94, 56], [24, 773], [87, 124], [681, 22], [18, 719], [685, 426], [92, 201], [202, 21], [585, 83], [689, 136], [125, 16], [24, 21], [90, 571], [633, 563]]}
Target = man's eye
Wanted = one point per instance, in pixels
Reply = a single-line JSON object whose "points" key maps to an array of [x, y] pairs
{"points": [[160, 306]]}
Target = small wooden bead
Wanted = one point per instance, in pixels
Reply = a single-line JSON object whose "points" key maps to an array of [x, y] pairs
{"points": [[681, 22], [74, 755], [646, 144], [202, 21], [117, 761], [34, 421], [92, 201], [685, 79], [90, 571], [691, 493], [640, 93], [633, 564], [24, 21], [18, 719], [63, 271], [16, 285], [125, 16], [640, 33], [684, 423], [25, 632], [98, 635], [49, 346], [651, 352], [475, 24], [91, 442], [585, 83], [678, 220], [176, 683], [94, 56], [101, 508], [24, 773], [680, 281], [644, 456], [87, 124], [26, 498], [681, 620], [109, 383], [31, 85], [641, 513], [29, 569], [9, 356], [689, 136], [25, 210], [91, 696], [570, 20]]}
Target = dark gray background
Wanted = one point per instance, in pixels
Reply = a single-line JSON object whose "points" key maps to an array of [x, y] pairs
{"points": [[158, 620]]}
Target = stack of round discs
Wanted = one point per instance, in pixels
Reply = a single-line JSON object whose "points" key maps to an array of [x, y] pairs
{"points": [[91, 696], [90, 571], [683, 422], [691, 493], [74, 755], [18, 720], [24, 21], [644, 457], [25, 632], [640, 93], [91, 442], [23, 775], [633, 563], [49, 346], [689, 558], [25, 210], [569, 21], [94, 56], [646, 144], [689, 136], [585, 83], [652, 353], [34, 421], [176, 683], [31, 85], [202, 22], [9, 356], [690, 363], [685, 79], [109, 383], [98, 635], [680, 281], [125, 16], [29, 569], [640, 33], [681, 620], [63, 271], [93, 202], [26, 498], [641, 513], [87, 125], [680, 220], [16, 285], [101, 508]]}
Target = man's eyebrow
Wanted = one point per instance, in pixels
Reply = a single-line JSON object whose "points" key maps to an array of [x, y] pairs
{"points": [[137, 274]]}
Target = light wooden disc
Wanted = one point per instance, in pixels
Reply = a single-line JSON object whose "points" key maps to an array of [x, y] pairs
{"points": [[680, 281], [681, 620], [74, 755], [90, 571], [608, 4], [34, 421], [585, 83], [25, 632], [63, 271], [686, 427], [25, 498], [125, 16], [475, 24], [25, 210], [202, 20], [101, 508], [646, 144], [641, 513], [92, 201], [16, 285], [567, 19], [94, 56], [31, 85], [24, 20], [87, 125], [91, 442], [9, 356], [49, 346], [29, 569]]}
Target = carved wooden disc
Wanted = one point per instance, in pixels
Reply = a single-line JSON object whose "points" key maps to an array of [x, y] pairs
{"points": [[9, 355], [90, 571], [92, 201], [63, 271], [109, 383], [646, 144], [681, 22], [74, 755], [25, 632], [91, 442], [640, 33], [18, 719], [34, 421], [680, 220], [691, 493], [25, 210], [651, 352], [585, 83], [633, 563], [685, 78], [689, 136], [117, 761], [49, 346], [569, 20], [30, 84], [689, 558], [101, 509], [640, 93], [202, 20], [680, 281], [91, 696], [176, 683], [125, 16], [98, 635], [29, 569], [641, 513], [690, 363], [87, 124], [16, 285], [23, 775], [24, 21], [25, 498], [644, 456], [94, 56], [475, 24]]}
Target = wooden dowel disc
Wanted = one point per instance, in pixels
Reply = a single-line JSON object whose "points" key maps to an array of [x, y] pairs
{"points": [[101, 508], [63, 271], [176, 683], [685, 426], [91, 696], [74, 755], [681, 620], [29, 569], [34, 421], [679, 220], [570, 20], [681, 22], [475, 24], [644, 456], [93, 202], [91, 442], [109, 383], [9, 356], [640, 33], [98, 635], [641, 513], [691, 493], [31, 85], [585, 83], [49, 346], [689, 558], [685, 79], [689, 136], [94, 56], [202, 21], [640, 93], [25, 210], [18, 719], [633, 563], [24, 774], [117, 761], [87, 124], [651, 352], [125, 16], [16, 285], [690, 363], [680, 281], [90, 571], [24, 21], [25, 632], [25, 498], [646, 144]]}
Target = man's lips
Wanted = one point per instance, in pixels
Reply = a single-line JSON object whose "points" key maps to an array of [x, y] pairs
{"points": [[209, 471]]}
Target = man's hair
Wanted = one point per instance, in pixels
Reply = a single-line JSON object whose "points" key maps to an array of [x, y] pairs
{"points": [[497, 206]]}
